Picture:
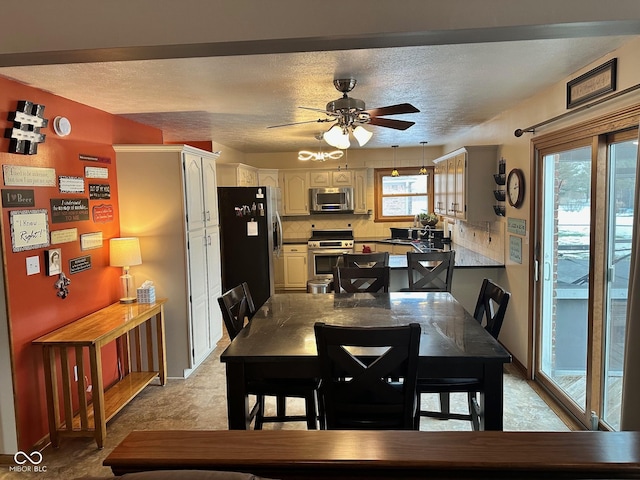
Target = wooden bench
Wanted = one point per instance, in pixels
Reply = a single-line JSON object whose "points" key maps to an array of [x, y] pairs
{"points": [[296, 454]]}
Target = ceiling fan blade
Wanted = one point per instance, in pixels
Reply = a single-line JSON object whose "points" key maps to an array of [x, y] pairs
{"points": [[390, 123], [393, 110], [320, 120], [326, 112]]}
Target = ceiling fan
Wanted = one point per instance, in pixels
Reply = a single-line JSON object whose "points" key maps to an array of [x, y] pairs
{"points": [[349, 114]]}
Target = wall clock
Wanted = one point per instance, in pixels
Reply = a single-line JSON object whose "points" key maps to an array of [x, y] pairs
{"points": [[515, 188]]}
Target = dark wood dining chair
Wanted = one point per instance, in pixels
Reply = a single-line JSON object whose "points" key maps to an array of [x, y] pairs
{"points": [[377, 259], [238, 308], [430, 271], [490, 309], [356, 279], [356, 364]]}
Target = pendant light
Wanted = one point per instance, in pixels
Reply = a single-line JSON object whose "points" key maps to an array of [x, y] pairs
{"points": [[423, 171], [394, 172]]}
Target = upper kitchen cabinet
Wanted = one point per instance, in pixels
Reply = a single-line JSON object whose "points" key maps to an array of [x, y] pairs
{"points": [[237, 175], [168, 198], [360, 190], [268, 178], [463, 183], [331, 178], [295, 192]]}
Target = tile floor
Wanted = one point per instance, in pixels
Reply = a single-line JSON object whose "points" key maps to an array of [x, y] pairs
{"points": [[199, 402]]}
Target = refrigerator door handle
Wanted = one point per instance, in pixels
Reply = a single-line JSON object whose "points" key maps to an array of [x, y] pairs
{"points": [[280, 241]]}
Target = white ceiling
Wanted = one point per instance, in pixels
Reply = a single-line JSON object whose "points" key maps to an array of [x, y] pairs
{"points": [[233, 99]]}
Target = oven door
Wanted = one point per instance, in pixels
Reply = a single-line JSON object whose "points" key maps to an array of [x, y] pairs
{"points": [[322, 261]]}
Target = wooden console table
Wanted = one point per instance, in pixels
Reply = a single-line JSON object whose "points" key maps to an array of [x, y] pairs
{"points": [[119, 322]]}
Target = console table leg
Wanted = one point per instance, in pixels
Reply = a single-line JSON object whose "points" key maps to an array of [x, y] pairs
{"points": [[97, 396]]}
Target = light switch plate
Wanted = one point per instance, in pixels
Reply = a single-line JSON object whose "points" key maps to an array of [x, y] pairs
{"points": [[33, 265]]}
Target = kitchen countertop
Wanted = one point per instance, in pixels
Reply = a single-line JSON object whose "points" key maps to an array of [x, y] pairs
{"points": [[465, 258]]}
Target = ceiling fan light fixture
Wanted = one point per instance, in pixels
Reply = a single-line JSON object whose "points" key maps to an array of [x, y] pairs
{"points": [[362, 135], [337, 138], [305, 155]]}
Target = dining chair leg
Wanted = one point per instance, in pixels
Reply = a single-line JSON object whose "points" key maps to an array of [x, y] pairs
{"points": [[445, 404], [260, 414], [281, 406], [312, 411], [474, 410]]}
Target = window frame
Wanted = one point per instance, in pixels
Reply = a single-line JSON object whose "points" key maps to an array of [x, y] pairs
{"points": [[378, 173]]}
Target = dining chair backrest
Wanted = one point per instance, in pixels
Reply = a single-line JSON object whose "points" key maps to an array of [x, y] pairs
{"points": [[355, 279], [377, 259], [491, 307], [430, 271], [237, 308], [356, 365]]}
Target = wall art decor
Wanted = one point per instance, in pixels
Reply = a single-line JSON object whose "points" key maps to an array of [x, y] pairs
{"points": [[70, 184], [79, 264], [593, 84], [53, 261], [69, 209], [89, 241], [29, 229], [18, 198], [96, 172], [25, 135], [21, 176], [99, 191], [65, 235], [102, 213], [93, 158]]}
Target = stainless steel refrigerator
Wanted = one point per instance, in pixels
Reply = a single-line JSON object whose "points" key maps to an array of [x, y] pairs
{"points": [[250, 238]]}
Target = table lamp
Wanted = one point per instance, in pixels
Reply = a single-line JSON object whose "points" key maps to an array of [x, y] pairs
{"points": [[125, 252]]}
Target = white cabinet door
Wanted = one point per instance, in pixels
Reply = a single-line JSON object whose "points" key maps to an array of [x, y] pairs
{"points": [[360, 184], [440, 188], [193, 191], [342, 178], [460, 186], [210, 191], [214, 282], [268, 178], [296, 193], [200, 331]]}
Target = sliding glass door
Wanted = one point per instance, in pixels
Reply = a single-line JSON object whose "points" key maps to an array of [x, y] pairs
{"points": [[584, 223], [622, 154]]}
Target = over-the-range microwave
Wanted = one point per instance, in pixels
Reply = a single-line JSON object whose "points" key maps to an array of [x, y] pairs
{"points": [[331, 200]]}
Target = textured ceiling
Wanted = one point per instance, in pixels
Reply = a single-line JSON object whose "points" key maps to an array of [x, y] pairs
{"points": [[232, 100]]}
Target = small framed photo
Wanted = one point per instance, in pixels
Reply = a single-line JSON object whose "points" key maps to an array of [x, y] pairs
{"points": [[53, 261]]}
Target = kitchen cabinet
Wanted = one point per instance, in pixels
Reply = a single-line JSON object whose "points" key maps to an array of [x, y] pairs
{"points": [[463, 183], [295, 192], [237, 175], [360, 192], [168, 198], [331, 178], [295, 267], [268, 178]]}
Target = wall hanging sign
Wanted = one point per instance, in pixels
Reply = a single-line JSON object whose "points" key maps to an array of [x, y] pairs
{"points": [[515, 249], [93, 158], [99, 191], [593, 84], [21, 176], [53, 261], [89, 241], [25, 134], [69, 209], [70, 184], [102, 213], [517, 226], [29, 229], [96, 172], [64, 236], [17, 198], [79, 264]]}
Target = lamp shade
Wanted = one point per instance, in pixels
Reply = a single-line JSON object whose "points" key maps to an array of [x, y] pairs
{"points": [[337, 138], [124, 252], [362, 135]]}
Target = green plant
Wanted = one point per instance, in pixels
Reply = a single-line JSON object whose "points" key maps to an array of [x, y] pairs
{"points": [[428, 217]]}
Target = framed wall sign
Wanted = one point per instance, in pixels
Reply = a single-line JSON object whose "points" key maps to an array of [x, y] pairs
{"points": [[29, 229], [593, 84]]}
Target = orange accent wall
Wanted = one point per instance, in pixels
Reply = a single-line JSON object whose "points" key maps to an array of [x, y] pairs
{"points": [[33, 306]]}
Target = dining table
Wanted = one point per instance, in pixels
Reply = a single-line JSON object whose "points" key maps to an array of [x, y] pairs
{"points": [[279, 342]]}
